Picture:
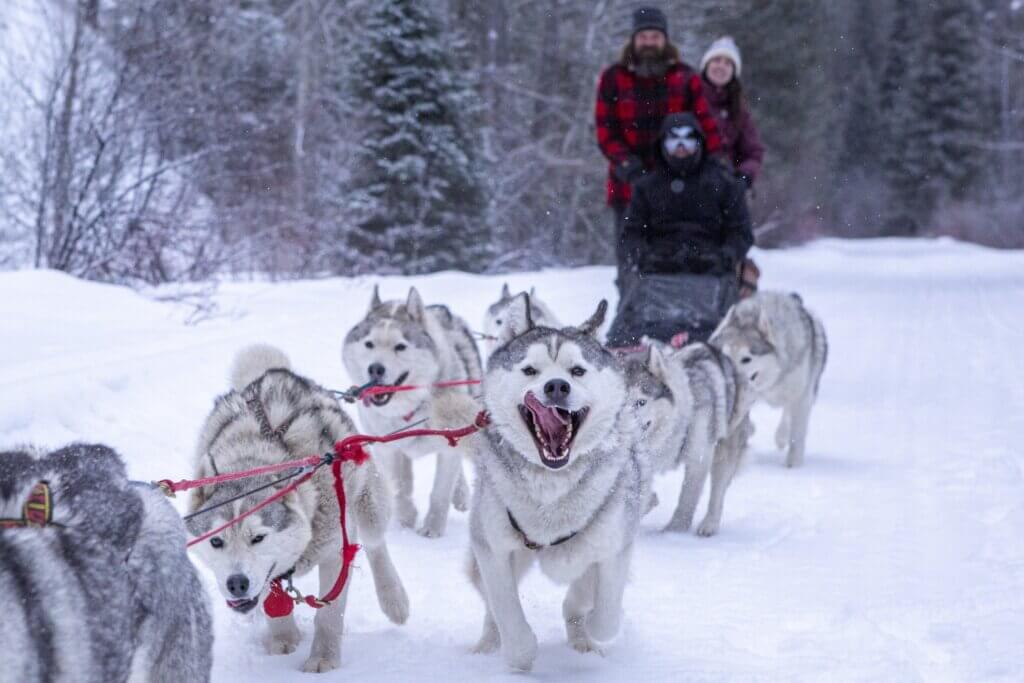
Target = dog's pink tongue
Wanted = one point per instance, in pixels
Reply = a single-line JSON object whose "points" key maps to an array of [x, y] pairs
{"points": [[550, 420]]}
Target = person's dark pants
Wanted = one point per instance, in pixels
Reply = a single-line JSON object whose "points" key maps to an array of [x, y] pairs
{"points": [[619, 213]]}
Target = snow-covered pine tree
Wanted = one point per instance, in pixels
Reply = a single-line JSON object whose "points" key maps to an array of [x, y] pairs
{"points": [[905, 153], [416, 194], [955, 97]]}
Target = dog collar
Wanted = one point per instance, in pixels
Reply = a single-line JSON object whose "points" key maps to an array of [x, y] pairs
{"points": [[533, 545], [37, 511]]}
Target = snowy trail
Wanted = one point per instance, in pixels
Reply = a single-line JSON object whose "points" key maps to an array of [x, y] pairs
{"points": [[895, 554]]}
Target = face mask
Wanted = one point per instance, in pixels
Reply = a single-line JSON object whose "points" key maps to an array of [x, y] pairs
{"points": [[685, 137]]}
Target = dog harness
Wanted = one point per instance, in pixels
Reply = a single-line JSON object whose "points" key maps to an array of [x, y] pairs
{"points": [[533, 545], [37, 511]]}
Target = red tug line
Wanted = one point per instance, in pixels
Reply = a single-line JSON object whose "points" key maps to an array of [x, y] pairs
{"points": [[280, 602]]}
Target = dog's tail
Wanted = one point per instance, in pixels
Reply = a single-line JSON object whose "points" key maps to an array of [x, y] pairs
{"points": [[254, 361]]}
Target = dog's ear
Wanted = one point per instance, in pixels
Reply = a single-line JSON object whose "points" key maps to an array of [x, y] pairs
{"points": [[591, 324], [414, 305], [656, 363], [765, 327], [375, 299], [518, 319], [506, 293]]}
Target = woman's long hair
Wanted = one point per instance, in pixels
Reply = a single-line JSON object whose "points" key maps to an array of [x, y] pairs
{"points": [[735, 101]]}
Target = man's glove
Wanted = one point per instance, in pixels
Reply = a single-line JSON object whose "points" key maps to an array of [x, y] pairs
{"points": [[630, 170]]}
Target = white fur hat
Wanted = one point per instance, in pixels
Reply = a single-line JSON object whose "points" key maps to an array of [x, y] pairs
{"points": [[723, 47]]}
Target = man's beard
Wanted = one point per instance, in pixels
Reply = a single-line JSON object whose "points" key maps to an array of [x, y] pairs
{"points": [[650, 62]]}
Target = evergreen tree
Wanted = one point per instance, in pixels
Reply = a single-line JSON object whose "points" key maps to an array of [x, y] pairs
{"points": [[954, 96], [904, 106], [416, 192]]}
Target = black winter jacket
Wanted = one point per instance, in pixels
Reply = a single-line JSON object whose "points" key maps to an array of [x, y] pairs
{"points": [[698, 223]]}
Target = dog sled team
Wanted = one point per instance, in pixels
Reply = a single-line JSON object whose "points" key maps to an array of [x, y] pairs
{"points": [[579, 427], [563, 478]]}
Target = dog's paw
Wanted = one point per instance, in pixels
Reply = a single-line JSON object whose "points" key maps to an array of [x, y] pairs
{"points": [[318, 664], [521, 653], [678, 526], [488, 644], [405, 512], [460, 496], [283, 643], [795, 457], [577, 636], [602, 627], [394, 602], [433, 526], [709, 527], [782, 437]]}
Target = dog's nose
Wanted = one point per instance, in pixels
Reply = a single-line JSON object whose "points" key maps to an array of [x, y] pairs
{"points": [[238, 585], [557, 389], [376, 371]]}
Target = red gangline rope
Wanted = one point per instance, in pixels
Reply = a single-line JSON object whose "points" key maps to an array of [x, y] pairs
{"points": [[350, 449]]}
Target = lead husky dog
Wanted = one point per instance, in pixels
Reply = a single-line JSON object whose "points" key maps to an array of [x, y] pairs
{"points": [[692, 405], [781, 348], [559, 481], [270, 416], [496, 319], [98, 586], [412, 344]]}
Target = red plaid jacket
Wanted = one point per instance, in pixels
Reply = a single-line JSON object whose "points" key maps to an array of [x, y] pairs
{"points": [[629, 112]]}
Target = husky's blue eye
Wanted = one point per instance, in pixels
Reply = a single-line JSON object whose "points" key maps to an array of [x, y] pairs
{"points": [[257, 539], [369, 344], [641, 403], [400, 347], [529, 371], [577, 371], [217, 542]]}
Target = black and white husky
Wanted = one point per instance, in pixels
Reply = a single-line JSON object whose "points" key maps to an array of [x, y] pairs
{"points": [[560, 482], [780, 347], [96, 581], [408, 343], [693, 408], [496, 319], [270, 416]]}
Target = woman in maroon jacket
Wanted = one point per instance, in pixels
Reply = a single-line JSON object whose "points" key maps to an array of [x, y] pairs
{"points": [[741, 145]]}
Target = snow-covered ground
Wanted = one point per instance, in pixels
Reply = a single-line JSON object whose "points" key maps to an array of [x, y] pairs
{"points": [[895, 554]]}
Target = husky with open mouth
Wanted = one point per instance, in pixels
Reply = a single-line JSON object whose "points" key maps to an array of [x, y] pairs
{"points": [[273, 415], [560, 481], [496, 318], [407, 343]]}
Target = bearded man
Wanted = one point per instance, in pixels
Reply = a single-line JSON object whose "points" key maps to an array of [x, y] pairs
{"points": [[634, 96]]}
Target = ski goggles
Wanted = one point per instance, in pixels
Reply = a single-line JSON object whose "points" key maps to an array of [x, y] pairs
{"points": [[685, 137]]}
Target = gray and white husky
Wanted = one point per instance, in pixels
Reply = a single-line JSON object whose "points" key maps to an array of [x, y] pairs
{"points": [[559, 481], [409, 343], [693, 410], [273, 415], [496, 318], [781, 348], [103, 590]]}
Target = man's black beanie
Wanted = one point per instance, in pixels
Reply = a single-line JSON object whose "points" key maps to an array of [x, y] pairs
{"points": [[649, 18]]}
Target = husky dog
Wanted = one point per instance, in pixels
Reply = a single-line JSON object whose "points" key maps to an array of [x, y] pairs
{"points": [[97, 581], [559, 481], [692, 406], [781, 348], [273, 415], [412, 344], [496, 318]]}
